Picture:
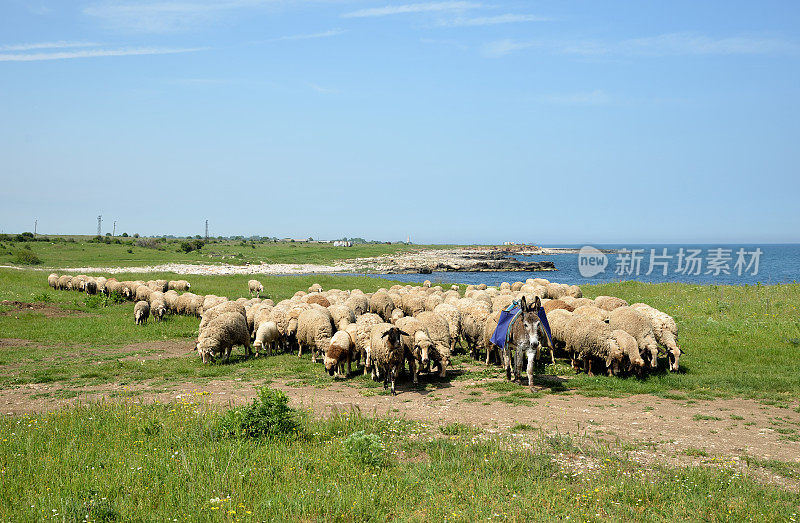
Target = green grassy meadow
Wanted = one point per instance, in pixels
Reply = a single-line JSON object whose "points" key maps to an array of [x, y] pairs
{"points": [[61, 252], [121, 460]]}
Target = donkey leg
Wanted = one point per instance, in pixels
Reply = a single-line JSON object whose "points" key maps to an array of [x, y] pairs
{"points": [[530, 370]]}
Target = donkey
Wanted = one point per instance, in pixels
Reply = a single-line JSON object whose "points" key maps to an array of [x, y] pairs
{"points": [[526, 335]]}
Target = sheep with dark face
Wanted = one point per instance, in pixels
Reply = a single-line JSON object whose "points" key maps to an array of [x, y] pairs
{"points": [[386, 352]]}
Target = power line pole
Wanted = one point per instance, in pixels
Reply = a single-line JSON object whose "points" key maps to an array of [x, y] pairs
{"points": [[206, 230], [100, 225], [35, 226], [114, 233]]}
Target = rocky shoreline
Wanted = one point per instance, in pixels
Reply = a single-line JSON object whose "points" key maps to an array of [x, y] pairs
{"points": [[448, 260]]}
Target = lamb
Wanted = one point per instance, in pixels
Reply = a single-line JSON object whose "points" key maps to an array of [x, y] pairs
{"points": [[426, 283], [316, 287], [255, 287], [221, 335], [314, 330], [141, 311], [341, 350], [609, 303], [630, 349], [257, 314], [386, 352], [342, 316], [590, 339], [267, 336], [381, 304], [178, 285], [665, 330], [637, 325], [52, 280], [158, 308], [439, 333]]}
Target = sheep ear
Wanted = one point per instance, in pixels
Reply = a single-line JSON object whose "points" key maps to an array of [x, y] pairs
{"points": [[404, 333], [385, 334]]}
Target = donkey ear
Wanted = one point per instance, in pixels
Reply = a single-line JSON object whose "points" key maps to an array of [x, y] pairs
{"points": [[537, 303], [523, 304]]}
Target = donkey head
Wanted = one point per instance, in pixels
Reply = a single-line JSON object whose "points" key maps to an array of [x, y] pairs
{"points": [[534, 334]]}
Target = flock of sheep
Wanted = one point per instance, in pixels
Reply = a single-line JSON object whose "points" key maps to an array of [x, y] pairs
{"points": [[421, 325]]}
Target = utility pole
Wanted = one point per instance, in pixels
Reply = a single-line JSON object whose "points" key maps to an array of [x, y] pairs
{"points": [[100, 225], [114, 233], [206, 230], [35, 226]]}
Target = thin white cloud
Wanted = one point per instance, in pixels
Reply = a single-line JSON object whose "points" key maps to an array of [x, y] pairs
{"points": [[412, 8], [322, 89], [91, 53], [493, 20], [46, 45], [165, 16], [310, 36], [669, 44]]}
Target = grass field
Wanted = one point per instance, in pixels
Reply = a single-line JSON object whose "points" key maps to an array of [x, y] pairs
{"points": [[122, 460], [165, 462], [738, 341], [85, 253]]}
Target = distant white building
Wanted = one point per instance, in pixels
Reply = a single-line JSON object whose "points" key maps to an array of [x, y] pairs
{"points": [[342, 243], [509, 243]]}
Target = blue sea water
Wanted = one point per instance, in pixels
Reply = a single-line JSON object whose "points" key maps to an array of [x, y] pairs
{"points": [[777, 263]]}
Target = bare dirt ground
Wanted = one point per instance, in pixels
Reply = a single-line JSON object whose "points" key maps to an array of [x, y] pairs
{"points": [[49, 311], [661, 428]]}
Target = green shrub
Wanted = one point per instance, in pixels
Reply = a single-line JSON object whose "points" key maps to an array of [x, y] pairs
{"points": [[98, 300], [268, 416], [367, 449], [42, 297], [90, 507], [191, 245], [26, 257]]}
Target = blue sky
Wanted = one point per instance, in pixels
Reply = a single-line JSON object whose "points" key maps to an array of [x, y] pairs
{"points": [[449, 121]]}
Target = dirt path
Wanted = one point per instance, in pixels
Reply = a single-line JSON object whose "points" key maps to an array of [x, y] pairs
{"points": [[730, 427]]}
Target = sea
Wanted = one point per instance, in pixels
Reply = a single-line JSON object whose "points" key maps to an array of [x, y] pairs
{"points": [[705, 264]]}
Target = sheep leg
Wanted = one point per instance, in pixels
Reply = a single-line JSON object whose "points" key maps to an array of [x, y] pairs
{"points": [[248, 349], [349, 368], [393, 370], [412, 366], [300, 349], [587, 366]]}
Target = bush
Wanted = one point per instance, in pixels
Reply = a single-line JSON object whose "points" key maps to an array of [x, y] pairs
{"points": [[124, 234], [191, 245], [268, 416], [42, 297], [367, 449], [26, 257]]}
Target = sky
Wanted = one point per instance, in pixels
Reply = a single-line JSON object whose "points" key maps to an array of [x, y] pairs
{"points": [[475, 121]]}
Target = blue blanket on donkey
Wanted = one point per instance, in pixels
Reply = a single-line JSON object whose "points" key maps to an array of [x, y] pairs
{"points": [[507, 317]]}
